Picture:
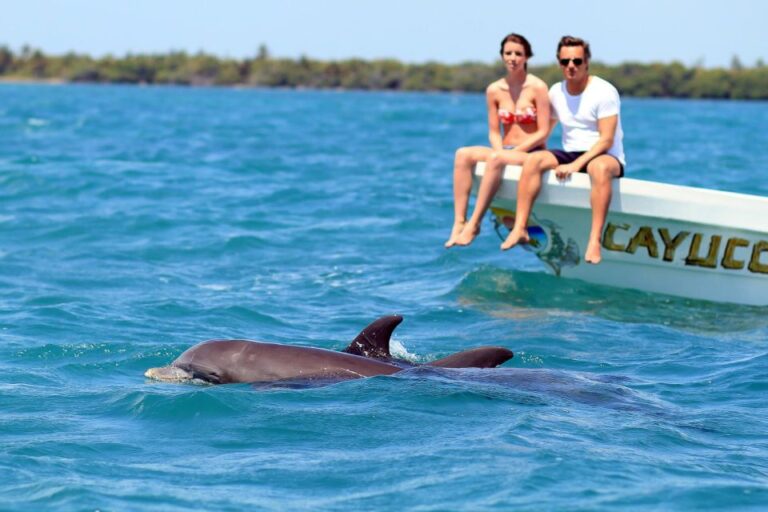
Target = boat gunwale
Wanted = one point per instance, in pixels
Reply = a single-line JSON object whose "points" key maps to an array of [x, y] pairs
{"points": [[654, 200]]}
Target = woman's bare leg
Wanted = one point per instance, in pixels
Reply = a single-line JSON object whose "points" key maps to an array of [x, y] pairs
{"points": [[489, 185], [527, 190], [463, 167]]}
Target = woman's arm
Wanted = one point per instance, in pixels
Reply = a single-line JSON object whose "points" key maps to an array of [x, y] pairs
{"points": [[494, 135]]}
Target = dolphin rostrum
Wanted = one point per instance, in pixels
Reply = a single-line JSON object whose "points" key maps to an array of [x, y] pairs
{"points": [[230, 361]]}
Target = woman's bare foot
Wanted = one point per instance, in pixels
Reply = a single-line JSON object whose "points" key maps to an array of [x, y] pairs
{"points": [[468, 234], [516, 236], [455, 232], [592, 255]]}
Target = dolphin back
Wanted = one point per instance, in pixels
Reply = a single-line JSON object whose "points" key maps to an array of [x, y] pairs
{"points": [[481, 357], [231, 361]]}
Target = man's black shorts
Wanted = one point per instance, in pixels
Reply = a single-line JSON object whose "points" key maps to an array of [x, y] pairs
{"points": [[566, 157]]}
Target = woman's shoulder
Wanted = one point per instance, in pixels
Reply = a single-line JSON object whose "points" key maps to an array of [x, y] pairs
{"points": [[535, 82], [497, 86]]}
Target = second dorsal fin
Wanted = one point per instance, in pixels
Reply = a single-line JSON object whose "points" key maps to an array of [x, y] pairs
{"points": [[480, 357], [373, 341]]}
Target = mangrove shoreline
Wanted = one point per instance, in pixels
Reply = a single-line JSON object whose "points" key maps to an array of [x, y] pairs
{"points": [[655, 80]]}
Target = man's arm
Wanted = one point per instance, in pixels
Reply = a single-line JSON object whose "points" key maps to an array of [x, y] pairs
{"points": [[606, 127]]}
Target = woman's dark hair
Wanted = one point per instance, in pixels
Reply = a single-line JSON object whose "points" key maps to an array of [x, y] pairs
{"points": [[517, 38]]}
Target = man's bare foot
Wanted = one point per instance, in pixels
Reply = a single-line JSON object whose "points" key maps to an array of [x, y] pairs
{"points": [[455, 232], [592, 255], [467, 234], [515, 237]]}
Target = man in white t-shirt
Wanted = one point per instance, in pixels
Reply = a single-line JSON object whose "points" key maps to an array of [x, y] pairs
{"points": [[588, 109]]}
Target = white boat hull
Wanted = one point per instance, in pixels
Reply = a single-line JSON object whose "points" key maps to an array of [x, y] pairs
{"points": [[682, 241]]}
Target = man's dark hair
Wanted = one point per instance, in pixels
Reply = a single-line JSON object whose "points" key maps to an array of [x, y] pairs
{"points": [[574, 41]]}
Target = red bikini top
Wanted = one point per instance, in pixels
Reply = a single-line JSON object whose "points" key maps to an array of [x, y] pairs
{"points": [[527, 116]]}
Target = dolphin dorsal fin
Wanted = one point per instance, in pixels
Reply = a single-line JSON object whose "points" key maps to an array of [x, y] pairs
{"points": [[480, 357], [373, 341]]}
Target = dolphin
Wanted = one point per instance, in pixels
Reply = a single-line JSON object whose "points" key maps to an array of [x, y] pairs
{"points": [[245, 361]]}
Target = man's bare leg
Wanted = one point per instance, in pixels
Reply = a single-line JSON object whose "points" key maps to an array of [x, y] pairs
{"points": [[527, 190], [463, 166], [489, 185], [601, 171]]}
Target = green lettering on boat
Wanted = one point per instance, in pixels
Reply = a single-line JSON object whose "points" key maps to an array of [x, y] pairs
{"points": [[754, 263], [710, 261], [729, 261], [644, 238], [610, 231], [671, 244]]}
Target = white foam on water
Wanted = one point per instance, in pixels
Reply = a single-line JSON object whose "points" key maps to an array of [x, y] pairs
{"points": [[216, 287], [398, 351]]}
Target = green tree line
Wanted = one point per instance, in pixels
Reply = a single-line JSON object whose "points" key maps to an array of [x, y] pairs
{"points": [[180, 68]]}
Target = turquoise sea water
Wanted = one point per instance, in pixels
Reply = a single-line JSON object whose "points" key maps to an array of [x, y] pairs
{"points": [[136, 222]]}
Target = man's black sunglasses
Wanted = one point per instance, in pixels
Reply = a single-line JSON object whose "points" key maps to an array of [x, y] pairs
{"points": [[576, 62]]}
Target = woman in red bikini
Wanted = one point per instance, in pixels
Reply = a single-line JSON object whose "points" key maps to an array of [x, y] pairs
{"points": [[518, 123]]}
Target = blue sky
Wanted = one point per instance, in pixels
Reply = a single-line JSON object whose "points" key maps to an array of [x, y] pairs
{"points": [[450, 31]]}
